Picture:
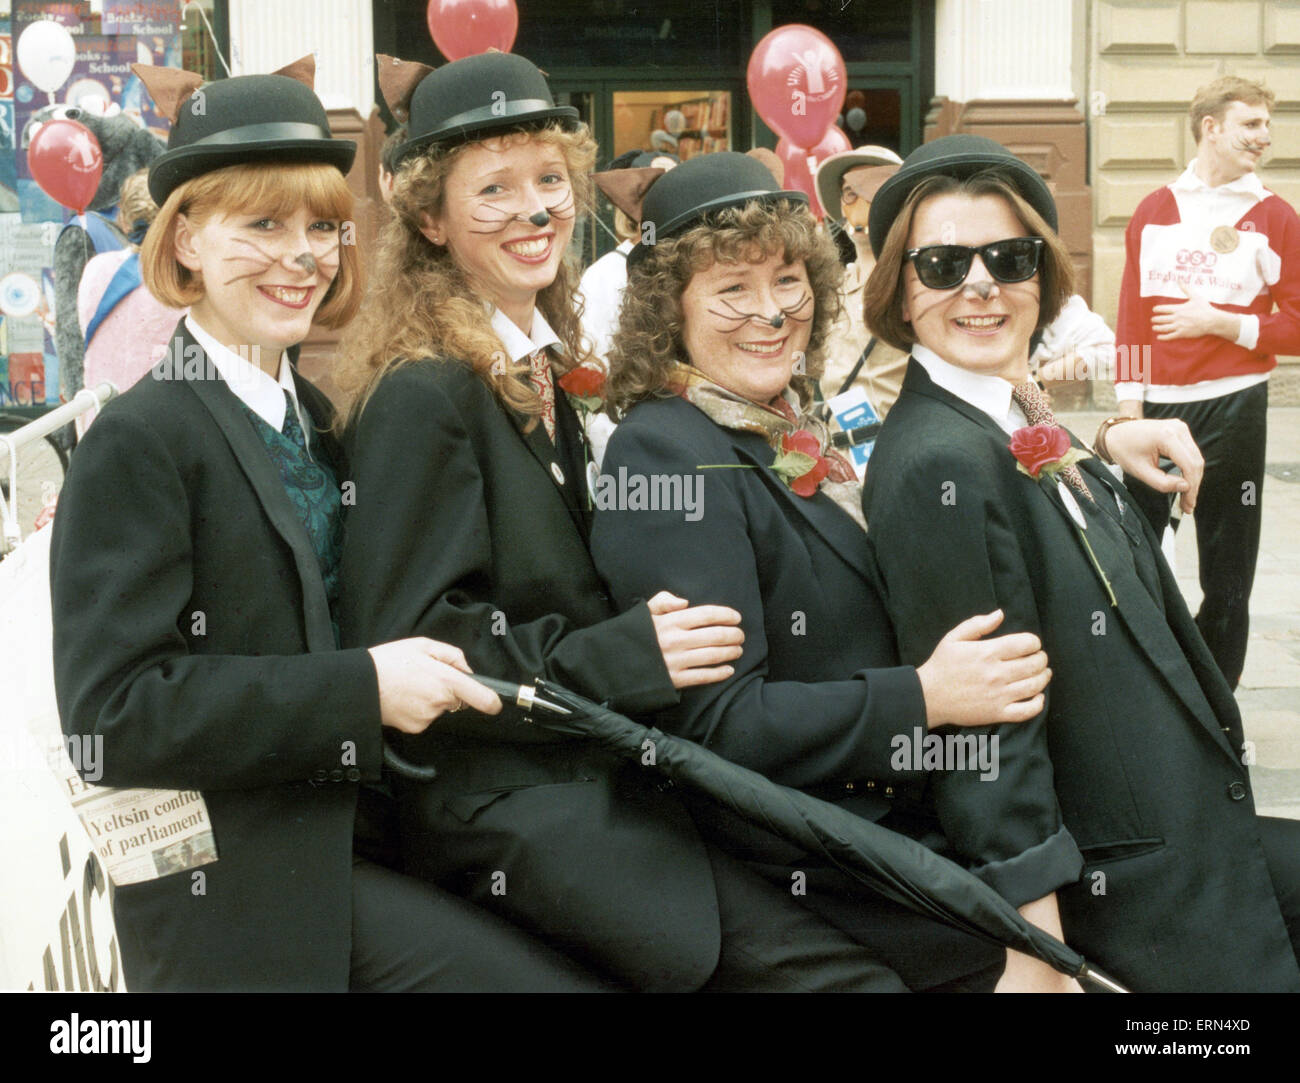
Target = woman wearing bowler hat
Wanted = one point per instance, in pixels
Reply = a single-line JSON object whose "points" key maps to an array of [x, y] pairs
{"points": [[194, 572], [1122, 812], [471, 525]]}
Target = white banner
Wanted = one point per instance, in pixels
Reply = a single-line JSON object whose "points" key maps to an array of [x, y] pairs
{"points": [[56, 925]]}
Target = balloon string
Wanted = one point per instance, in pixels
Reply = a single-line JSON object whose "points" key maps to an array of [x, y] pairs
{"points": [[203, 15]]}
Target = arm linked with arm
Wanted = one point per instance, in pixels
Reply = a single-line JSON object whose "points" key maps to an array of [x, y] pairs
{"points": [[948, 551], [798, 733]]}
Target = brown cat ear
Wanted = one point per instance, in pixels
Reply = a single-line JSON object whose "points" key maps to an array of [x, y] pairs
{"points": [[397, 82], [303, 69], [626, 188], [168, 87]]}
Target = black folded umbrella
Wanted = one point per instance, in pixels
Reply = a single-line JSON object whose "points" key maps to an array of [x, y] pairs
{"points": [[892, 864]]}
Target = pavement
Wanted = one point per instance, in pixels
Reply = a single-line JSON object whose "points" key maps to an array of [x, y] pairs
{"points": [[1269, 693]]}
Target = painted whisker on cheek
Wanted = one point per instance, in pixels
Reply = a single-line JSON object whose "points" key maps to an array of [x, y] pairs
{"points": [[735, 318], [920, 310], [497, 218], [791, 312]]}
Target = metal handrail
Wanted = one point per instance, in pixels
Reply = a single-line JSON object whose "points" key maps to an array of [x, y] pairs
{"points": [[85, 399]]}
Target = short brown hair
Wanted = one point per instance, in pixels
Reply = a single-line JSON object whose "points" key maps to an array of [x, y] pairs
{"points": [[649, 339], [883, 296], [1213, 99], [276, 189]]}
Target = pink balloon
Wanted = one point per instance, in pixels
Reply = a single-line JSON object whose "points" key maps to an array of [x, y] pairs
{"points": [[66, 161], [463, 28], [797, 82], [800, 162]]}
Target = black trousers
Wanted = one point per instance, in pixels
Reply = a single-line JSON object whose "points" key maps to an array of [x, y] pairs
{"points": [[409, 936], [918, 953], [1230, 431], [773, 944]]}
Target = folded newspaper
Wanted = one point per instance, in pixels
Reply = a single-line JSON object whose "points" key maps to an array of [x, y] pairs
{"points": [[142, 834]]}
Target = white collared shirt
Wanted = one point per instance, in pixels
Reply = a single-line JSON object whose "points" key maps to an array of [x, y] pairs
{"points": [[519, 345], [988, 394], [1226, 201], [602, 289], [254, 388]]}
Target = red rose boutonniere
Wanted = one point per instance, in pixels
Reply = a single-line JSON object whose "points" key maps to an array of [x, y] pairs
{"points": [[1043, 450], [585, 386], [800, 463]]}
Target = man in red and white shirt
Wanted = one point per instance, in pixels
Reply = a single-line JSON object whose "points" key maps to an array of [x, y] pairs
{"points": [[1211, 293]]}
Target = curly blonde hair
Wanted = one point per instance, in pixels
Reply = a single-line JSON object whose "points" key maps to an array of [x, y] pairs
{"points": [[649, 339], [420, 303]]}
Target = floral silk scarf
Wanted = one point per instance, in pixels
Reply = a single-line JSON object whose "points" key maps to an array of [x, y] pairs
{"points": [[792, 411]]}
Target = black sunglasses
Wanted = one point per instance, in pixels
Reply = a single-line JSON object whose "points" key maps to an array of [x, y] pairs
{"points": [[943, 266]]}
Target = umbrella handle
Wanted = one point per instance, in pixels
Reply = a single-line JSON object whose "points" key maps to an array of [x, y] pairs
{"points": [[414, 771], [1101, 980]]}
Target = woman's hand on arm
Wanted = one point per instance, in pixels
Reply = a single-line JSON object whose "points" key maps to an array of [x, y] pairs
{"points": [[420, 679], [1137, 446], [972, 681], [696, 641]]}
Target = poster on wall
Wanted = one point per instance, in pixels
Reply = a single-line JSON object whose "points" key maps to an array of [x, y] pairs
{"points": [[95, 77], [8, 176], [154, 26], [30, 98]]}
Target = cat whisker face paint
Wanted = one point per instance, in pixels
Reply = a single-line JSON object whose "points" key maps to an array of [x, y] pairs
{"points": [[492, 217], [732, 317], [746, 324], [507, 214], [263, 278]]}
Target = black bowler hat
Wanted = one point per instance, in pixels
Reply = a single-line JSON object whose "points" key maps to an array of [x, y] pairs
{"points": [[958, 156], [246, 118], [469, 98], [700, 186]]}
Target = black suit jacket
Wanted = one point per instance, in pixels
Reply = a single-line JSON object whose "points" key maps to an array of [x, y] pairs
{"points": [[819, 692], [1137, 752], [469, 530], [172, 508], [818, 695]]}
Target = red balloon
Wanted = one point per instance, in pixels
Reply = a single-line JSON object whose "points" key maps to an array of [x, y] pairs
{"points": [[463, 28], [797, 82], [800, 162], [65, 160]]}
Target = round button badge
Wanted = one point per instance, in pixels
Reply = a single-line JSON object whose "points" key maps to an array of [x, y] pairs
{"points": [[1224, 239]]}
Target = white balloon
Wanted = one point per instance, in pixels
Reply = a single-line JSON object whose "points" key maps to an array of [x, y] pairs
{"points": [[675, 121], [46, 53], [857, 118]]}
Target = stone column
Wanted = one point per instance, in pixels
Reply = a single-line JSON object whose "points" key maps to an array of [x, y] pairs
{"points": [[1012, 70], [266, 36]]}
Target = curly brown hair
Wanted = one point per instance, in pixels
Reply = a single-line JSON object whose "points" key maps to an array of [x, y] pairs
{"points": [[649, 338], [420, 303]]}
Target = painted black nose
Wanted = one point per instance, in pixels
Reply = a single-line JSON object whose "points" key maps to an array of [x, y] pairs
{"points": [[540, 218], [778, 321]]}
